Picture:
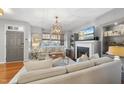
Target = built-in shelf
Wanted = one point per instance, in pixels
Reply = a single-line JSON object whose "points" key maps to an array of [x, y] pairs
{"points": [[113, 30], [113, 35]]}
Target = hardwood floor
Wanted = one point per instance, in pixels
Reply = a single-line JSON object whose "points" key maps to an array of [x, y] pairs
{"points": [[8, 70]]}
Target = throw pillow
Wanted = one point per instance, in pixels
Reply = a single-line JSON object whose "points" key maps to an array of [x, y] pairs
{"points": [[36, 65], [56, 61], [95, 56], [83, 58]]}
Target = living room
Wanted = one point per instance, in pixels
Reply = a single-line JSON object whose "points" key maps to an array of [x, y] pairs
{"points": [[67, 42]]}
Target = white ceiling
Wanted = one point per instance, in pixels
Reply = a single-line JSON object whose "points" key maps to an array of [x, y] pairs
{"points": [[70, 18]]}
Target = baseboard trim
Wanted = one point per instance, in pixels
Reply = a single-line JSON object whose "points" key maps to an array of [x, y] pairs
{"points": [[2, 62]]}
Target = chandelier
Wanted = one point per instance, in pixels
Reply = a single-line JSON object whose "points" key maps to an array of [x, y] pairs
{"points": [[56, 28]]}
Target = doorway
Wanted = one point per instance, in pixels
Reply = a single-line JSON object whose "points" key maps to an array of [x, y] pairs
{"points": [[14, 46]]}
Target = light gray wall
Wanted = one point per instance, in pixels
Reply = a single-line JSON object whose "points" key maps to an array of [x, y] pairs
{"points": [[36, 30], [111, 16], [67, 35], [115, 15], [27, 38]]}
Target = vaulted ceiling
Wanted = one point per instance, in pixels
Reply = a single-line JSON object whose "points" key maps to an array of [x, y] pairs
{"points": [[70, 18]]}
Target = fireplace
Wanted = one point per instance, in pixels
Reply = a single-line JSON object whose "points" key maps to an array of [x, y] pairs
{"points": [[82, 50], [89, 47]]}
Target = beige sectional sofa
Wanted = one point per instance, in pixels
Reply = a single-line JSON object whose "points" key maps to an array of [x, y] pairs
{"points": [[96, 71]]}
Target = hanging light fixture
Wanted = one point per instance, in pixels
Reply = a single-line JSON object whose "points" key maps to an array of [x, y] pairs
{"points": [[1, 12], [56, 28]]}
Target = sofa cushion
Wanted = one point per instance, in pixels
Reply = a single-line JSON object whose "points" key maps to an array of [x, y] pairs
{"points": [[79, 66], [95, 56], [41, 74], [56, 61], [36, 65], [102, 60]]}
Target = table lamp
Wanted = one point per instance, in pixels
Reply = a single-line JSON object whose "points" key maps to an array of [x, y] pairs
{"points": [[116, 51]]}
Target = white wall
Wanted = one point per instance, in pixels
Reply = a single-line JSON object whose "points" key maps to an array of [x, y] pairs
{"points": [[27, 38], [111, 16]]}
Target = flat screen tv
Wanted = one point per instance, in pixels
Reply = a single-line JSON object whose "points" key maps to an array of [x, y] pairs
{"points": [[89, 33]]}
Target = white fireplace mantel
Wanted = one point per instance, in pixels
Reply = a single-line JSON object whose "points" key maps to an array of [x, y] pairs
{"points": [[93, 46]]}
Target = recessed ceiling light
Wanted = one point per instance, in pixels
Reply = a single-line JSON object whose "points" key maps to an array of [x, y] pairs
{"points": [[1, 12]]}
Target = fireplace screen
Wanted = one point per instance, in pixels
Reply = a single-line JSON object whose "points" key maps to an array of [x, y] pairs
{"points": [[82, 50]]}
